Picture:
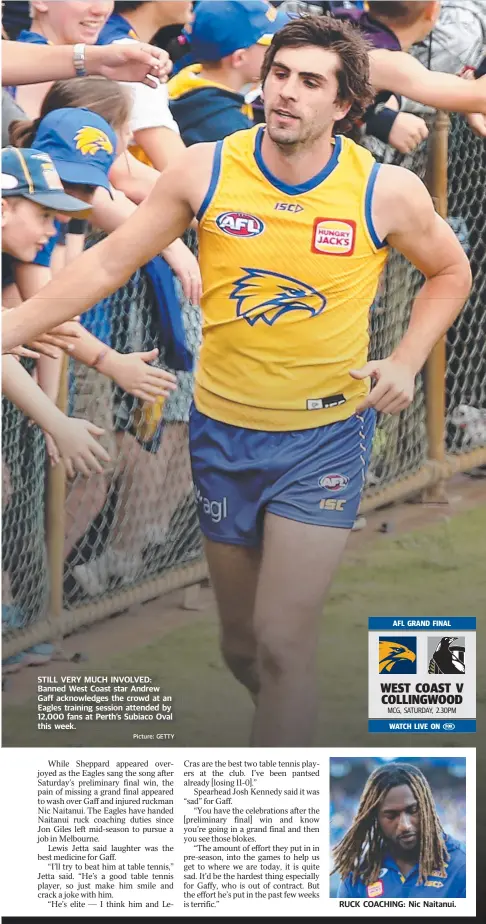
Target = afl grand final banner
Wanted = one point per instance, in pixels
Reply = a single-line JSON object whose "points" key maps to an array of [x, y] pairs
{"points": [[422, 674]]}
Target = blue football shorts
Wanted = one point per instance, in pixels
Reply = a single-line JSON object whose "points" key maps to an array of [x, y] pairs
{"points": [[313, 476]]}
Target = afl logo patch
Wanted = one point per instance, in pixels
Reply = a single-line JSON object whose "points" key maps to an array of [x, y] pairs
{"points": [[334, 482], [334, 236], [375, 889], [239, 224]]}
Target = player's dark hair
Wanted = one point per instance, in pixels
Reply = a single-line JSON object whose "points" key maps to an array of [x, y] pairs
{"points": [[105, 97], [361, 851], [122, 7], [353, 73], [403, 12]]}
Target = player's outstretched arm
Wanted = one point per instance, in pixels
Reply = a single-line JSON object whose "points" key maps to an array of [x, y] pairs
{"points": [[159, 220], [404, 214], [399, 72]]}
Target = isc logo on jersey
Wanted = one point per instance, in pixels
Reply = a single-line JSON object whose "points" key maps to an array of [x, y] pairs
{"points": [[239, 224], [334, 236]]}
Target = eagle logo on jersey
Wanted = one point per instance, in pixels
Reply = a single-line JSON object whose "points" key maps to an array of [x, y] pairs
{"points": [[261, 294], [398, 655], [90, 140]]}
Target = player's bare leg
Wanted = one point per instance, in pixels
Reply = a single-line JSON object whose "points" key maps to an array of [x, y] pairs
{"points": [[298, 564], [234, 573]]}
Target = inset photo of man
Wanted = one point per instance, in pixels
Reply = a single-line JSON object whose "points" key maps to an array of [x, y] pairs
{"points": [[398, 828]]}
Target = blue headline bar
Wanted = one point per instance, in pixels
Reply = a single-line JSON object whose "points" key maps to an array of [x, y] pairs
{"points": [[421, 726], [421, 623]]}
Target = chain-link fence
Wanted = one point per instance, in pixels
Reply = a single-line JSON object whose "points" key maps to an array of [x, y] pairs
{"points": [[400, 443], [466, 339], [25, 586], [132, 533], [138, 519]]}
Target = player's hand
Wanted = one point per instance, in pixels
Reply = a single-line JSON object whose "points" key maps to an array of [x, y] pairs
{"points": [[136, 62], [185, 266], [78, 448], [63, 337], [408, 131], [394, 385], [134, 374]]}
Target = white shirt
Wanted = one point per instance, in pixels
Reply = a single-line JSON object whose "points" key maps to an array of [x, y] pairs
{"points": [[150, 105]]}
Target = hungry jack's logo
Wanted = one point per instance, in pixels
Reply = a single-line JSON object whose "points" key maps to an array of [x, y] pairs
{"points": [[334, 236]]}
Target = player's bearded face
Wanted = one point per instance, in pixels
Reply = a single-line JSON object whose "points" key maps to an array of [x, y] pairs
{"points": [[399, 820], [301, 96]]}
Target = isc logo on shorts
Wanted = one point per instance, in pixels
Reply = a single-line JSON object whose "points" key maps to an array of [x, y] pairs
{"points": [[332, 503], [239, 224], [375, 889], [334, 236]]}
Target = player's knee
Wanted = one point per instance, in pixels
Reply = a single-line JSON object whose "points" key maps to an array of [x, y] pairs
{"points": [[278, 657], [242, 666]]}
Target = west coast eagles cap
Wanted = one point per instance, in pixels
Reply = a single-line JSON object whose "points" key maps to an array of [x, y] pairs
{"points": [[81, 143], [31, 174], [220, 27]]}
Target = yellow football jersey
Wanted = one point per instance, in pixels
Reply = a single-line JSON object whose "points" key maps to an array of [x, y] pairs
{"points": [[289, 275]]}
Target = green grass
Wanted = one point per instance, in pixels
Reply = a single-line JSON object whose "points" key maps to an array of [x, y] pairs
{"points": [[438, 571]]}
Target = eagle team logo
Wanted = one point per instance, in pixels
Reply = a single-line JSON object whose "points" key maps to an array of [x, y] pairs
{"points": [[266, 296], [334, 236], [447, 655], [90, 140], [397, 655]]}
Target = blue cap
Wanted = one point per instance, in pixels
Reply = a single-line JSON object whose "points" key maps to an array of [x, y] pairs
{"points": [[81, 144], [30, 173], [220, 27]]}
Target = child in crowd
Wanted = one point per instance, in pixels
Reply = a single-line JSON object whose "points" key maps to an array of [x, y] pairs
{"points": [[32, 195], [55, 132]]}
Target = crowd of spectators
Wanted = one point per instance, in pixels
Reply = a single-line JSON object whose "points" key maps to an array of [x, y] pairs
{"points": [[89, 120]]}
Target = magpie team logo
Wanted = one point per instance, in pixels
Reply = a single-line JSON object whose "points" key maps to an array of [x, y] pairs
{"points": [[447, 655], [397, 655], [90, 140], [266, 296]]}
